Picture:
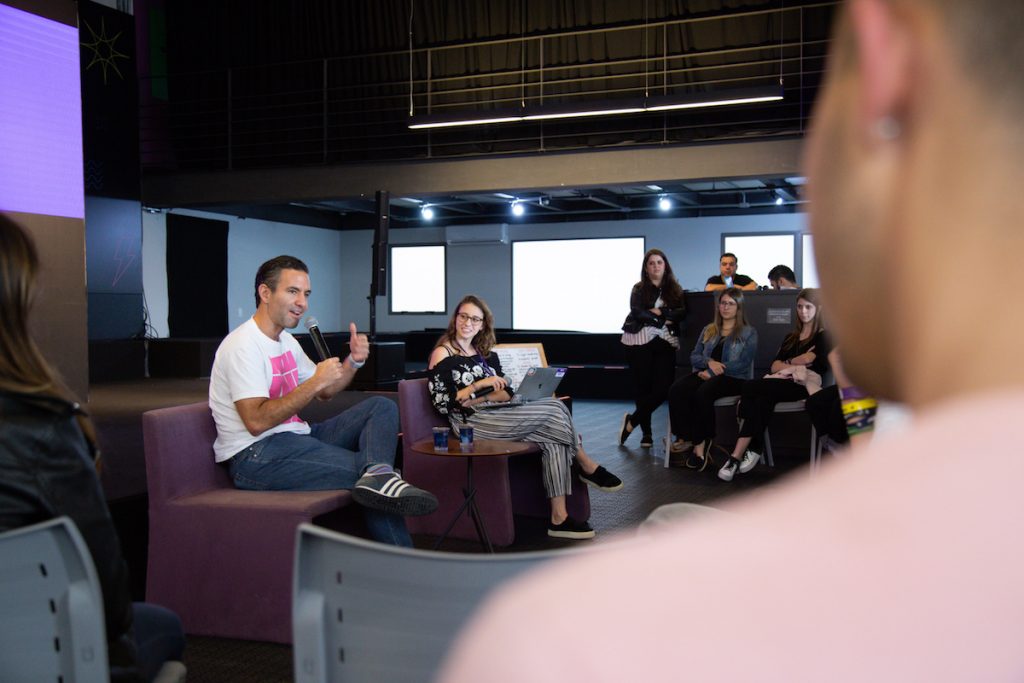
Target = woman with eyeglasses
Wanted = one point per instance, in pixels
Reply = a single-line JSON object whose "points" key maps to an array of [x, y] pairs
{"points": [[806, 347], [650, 336], [722, 359], [464, 365]]}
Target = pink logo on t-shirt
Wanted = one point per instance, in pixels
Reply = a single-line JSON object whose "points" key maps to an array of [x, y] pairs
{"points": [[285, 378]]}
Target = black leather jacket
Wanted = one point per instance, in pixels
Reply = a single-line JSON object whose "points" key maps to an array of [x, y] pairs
{"points": [[640, 312], [47, 470]]}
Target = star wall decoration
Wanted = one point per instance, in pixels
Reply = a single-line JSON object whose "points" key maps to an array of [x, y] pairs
{"points": [[103, 51]]}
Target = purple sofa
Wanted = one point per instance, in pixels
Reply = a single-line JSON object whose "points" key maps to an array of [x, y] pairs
{"points": [[219, 557], [506, 485]]}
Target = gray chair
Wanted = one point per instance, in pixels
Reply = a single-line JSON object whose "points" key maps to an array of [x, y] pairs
{"points": [[365, 611], [52, 627], [815, 443], [724, 403]]}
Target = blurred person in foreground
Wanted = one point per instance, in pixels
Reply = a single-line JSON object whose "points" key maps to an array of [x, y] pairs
{"points": [[48, 469], [901, 562]]}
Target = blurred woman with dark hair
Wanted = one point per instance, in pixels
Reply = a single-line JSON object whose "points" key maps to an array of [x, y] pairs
{"points": [[806, 346], [651, 337], [48, 461], [463, 363], [722, 359]]}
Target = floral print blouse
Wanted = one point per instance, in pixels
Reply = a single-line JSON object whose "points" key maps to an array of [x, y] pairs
{"points": [[458, 372]]}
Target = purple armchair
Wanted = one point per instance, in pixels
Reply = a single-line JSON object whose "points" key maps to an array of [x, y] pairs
{"points": [[219, 557], [506, 485]]}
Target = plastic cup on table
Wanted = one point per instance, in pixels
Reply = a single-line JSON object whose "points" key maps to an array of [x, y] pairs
{"points": [[441, 438], [465, 438]]}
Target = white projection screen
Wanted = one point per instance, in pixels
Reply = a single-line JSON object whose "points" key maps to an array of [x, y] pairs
{"points": [[810, 275], [578, 285], [758, 254], [418, 279]]}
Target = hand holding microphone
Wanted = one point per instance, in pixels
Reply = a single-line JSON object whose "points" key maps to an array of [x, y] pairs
{"points": [[359, 347], [313, 325], [482, 391]]}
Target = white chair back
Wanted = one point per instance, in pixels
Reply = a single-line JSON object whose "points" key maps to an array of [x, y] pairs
{"points": [[52, 626], [365, 611]]}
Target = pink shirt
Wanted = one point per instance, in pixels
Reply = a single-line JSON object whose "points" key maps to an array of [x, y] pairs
{"points": [[902, 562]]}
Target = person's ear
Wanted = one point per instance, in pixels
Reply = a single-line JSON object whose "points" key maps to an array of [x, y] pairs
{"points": [[264, 292], [885, 41]]}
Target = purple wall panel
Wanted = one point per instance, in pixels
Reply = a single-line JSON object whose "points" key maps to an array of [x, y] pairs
{"points": [[40, 116]]}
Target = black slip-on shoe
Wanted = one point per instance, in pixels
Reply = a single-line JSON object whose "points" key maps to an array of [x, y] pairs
{"points": [[601, 479], [570, 528], [627, 429]]}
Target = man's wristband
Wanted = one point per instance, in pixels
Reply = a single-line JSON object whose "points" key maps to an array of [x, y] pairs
{"points": [[356, 364]]}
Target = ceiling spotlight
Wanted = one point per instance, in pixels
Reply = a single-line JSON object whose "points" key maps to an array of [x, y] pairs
{"points": [[517, 208], [779, 201], [427, 212], [664, 203]]}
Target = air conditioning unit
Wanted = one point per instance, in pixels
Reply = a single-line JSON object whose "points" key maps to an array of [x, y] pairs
{"points": [[476, 234]]}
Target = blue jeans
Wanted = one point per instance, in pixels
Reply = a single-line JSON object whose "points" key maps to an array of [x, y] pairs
{"points": [[158, 637], [333, 456]]}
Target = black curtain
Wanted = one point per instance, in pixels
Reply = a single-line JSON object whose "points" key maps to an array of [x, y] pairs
{"points": [[197, 277]]}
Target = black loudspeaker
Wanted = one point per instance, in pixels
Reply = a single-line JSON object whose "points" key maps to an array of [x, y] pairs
{"points": [[383, 369], [379, 280]]}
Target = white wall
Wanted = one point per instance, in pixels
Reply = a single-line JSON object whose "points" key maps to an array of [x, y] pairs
{"points": [[250, 243], [340, 262], [692, 245]]}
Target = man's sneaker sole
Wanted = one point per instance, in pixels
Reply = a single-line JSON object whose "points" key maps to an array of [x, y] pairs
{"points": [[397, 497], [575, 535]]}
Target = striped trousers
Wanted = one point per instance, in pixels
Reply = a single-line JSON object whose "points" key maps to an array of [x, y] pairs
{"points": [[545, 422]]}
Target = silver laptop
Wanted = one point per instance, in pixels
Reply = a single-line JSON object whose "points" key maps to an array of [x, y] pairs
{"points": [[538, 383]]}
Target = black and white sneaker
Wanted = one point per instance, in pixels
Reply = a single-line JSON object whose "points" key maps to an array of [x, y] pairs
{"points": [[601, 479], [381, 488], [646, 440], [749, 461], [570, 528], [729, 469]]}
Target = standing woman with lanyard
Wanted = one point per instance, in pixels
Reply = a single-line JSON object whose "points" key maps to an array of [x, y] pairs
{"points": [[651, 337], [466, 385]]}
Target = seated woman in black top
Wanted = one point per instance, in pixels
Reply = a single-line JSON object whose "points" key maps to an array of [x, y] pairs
{"points": [[806, 346], [462, 364]]}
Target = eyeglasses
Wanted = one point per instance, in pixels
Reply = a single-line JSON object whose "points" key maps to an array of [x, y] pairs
{"points": [[466, 318], [726, 304]]}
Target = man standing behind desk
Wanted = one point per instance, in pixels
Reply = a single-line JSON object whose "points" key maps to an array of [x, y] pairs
{"points": [[261, 378], [902, 560], [728, 277]]}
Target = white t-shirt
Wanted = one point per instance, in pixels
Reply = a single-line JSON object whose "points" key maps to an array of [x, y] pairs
{"points": [[249, 364]]}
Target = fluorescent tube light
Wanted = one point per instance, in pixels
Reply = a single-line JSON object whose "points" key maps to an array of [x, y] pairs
{"points": [[605, 108]]}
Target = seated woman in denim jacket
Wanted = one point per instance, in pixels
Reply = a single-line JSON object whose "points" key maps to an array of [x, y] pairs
{"points": [[722, 359]]}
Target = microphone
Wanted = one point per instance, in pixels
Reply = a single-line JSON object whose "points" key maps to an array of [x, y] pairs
{"points": [[483, 392], [313, 325]]}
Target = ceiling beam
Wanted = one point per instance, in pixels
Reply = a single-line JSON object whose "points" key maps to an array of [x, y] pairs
{"points": [[478, 175]]}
